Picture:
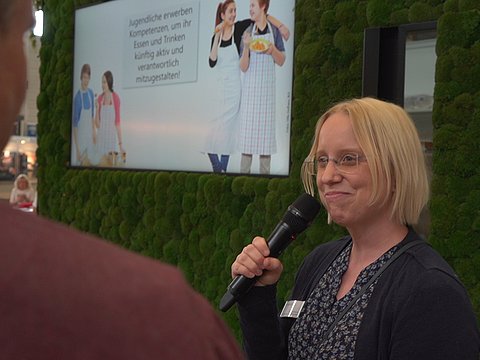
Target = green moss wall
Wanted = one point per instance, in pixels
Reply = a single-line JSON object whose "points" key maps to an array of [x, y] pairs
{"points": [[199, 222]]}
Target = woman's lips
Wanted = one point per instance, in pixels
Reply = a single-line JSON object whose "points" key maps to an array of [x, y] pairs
{"points": [[335, 195]]}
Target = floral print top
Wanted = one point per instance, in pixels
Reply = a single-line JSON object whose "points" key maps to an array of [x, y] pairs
{"points": [[308, 338]]}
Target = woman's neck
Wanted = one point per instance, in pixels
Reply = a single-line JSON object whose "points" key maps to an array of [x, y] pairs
{"points": [[371, 242], [227, 32]]}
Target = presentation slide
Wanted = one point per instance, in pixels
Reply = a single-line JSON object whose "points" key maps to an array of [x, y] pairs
{"points": [[148, 96]]}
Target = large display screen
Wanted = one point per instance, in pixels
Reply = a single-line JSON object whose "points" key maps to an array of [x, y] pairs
{"points": [[146, 94]]}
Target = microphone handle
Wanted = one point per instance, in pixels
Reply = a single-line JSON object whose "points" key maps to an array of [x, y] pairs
{"points": [[278, 241]]}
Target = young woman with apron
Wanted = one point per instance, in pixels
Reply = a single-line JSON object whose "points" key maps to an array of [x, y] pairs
{"points": [[106, 133], [108, 123], [221, 136]]}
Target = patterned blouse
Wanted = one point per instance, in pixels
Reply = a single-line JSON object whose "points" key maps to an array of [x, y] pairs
{"points": [[321, 308]]}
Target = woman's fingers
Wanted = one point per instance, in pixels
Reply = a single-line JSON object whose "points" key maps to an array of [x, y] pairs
{"points": [[254, 261], [273, 268], [261, 245], [250, 261]]}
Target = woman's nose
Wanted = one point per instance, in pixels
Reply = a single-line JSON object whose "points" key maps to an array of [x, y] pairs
{"points": [[330, 173]]}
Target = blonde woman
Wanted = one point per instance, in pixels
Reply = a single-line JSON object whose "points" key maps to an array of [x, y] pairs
{"points": [[381, 292]]}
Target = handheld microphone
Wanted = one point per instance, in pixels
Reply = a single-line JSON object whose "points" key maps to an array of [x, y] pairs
{"points": [[297, 218]]}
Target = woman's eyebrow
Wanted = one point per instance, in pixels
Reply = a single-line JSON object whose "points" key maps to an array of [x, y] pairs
{"points": [[342, 151]]}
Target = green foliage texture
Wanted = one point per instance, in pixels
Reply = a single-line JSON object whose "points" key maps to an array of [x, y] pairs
{"points": [[199, 222]]}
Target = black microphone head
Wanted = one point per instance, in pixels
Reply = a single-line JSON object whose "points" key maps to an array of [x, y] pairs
{"points": [[302, 212]]}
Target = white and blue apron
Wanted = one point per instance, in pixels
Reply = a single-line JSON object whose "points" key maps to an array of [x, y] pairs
{"points": [[221, 134], [257, 110], [84, 128]]}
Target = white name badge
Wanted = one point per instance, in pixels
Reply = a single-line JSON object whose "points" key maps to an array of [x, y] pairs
{"points": [[292, 309]]}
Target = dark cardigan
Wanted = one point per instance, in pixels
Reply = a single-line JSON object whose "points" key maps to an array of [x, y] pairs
{"points": [[419, 310]]}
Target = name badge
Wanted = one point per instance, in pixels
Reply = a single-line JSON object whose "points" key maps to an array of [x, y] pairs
{"points": [[292, 309]]}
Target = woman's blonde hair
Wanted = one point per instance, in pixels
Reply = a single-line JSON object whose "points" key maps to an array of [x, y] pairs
{"points": [[389, 139]]}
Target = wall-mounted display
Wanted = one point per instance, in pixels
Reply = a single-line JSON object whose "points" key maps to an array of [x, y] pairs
{"points": [[170, 85]]}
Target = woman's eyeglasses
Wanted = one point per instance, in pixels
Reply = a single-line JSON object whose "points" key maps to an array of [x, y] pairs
{"points": [[346, 164]]}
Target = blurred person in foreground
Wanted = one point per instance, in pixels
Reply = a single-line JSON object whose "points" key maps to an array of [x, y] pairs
{"points": [[67, 295], [381, 292]]}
